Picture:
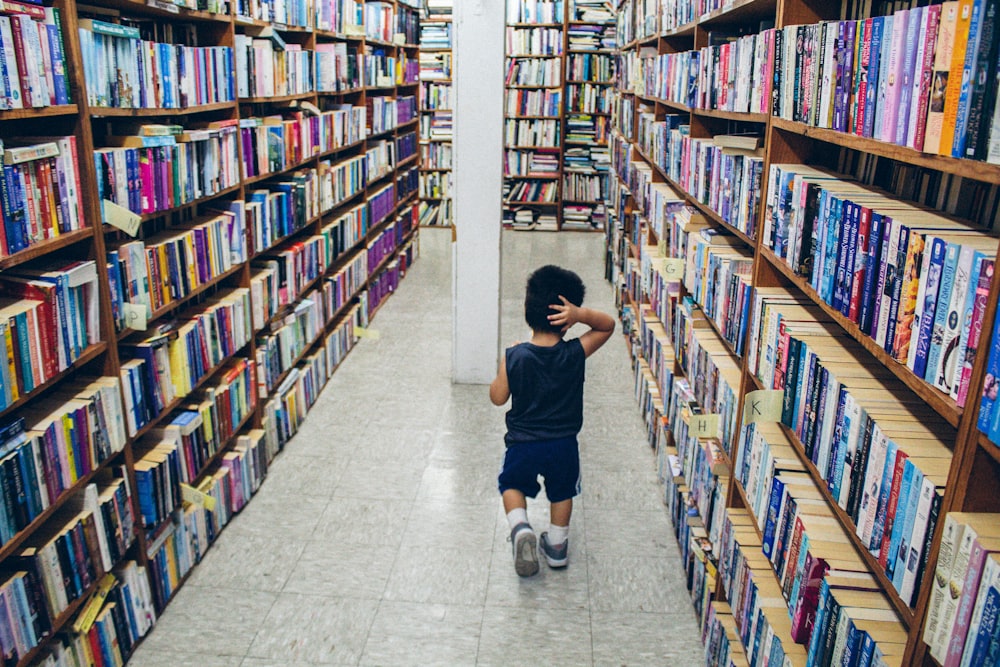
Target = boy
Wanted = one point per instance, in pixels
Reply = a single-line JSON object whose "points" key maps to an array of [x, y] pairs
{"points": [[545, 378]]}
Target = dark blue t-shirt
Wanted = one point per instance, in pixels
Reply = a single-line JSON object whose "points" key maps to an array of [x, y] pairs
{"points": [[546, 389]]}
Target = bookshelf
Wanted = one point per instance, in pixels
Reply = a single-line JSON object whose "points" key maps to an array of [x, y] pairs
{"points": [[252, 226], [436, 100], [722, 144], [559, 78]]}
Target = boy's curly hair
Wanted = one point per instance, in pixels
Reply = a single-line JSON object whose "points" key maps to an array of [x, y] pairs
{"points": [[545, 286]]}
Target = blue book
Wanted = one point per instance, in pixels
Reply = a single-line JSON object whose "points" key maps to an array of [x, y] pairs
{"points": [[899, 521], [819, 625], [867, 651], [909, 70], [968, 68], [878, 528], [925, 325], [771, 522], [872, 91], [852, 645], [854, 223], [991, 385], [871, 271], [941, 314], [843, 250], [58, 60], [906, 536], [988, 628]]}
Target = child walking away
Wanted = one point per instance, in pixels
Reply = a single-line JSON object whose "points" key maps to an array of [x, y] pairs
{"points": [[544, 378]]}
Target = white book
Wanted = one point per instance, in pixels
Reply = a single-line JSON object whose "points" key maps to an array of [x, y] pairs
{"points": [[14, 98], [916, 540], [944, 370], [885, 306], [872, 485], [990, 580]]}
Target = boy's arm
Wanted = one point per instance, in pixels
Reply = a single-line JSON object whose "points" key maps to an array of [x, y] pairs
{"points": [[601, 324], [499, 388]]}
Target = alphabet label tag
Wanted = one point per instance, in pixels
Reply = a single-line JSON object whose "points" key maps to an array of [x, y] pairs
{"points": [[763, 406], [121, 217], [135, 316]]}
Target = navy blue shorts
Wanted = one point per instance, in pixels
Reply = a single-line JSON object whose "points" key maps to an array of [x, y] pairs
{"points": [[557, 461]]}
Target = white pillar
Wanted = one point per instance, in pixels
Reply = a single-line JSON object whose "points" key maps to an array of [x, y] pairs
{"points": [[477, 180]]}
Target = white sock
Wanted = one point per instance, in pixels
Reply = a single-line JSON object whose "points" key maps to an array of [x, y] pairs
{"points": [[558, 534], [516, 516]]}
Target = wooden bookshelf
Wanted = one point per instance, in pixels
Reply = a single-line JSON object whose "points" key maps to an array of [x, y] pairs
{"points": [[566, 82], [435, 211], [89, 125], [974, 471]]}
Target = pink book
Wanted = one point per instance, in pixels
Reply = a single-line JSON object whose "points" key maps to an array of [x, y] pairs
{"points": [[975, 330], [977, 559], [894, 79], [922, 83]]}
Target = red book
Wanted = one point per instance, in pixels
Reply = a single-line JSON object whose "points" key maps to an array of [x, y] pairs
{"points": [[926, 67], [95, 647], [12, 7], [45, 292], [27, 94], [76, 178], [44, 181], [890, 514]]}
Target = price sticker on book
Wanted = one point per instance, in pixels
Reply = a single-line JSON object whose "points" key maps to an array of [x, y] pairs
{"points": [[673, 268], [135, 316], [361, 332], [196, 497], [165, 6], [703, 426], [763, 406], [121, 217]]}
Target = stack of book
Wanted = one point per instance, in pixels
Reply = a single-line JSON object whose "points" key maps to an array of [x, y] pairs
{"points": [[34, 65], [534, 41]]}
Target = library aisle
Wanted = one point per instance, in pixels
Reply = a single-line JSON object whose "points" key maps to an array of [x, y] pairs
{"points": [[379, 539]]}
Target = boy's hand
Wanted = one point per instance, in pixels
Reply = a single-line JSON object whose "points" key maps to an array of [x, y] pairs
{"points": [[567, 314]]}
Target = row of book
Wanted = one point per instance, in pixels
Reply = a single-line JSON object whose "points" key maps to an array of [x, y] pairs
{"points": [[294, 266], [344, 17], [166, 166], [436, 126], [582, 37], [435, 35], [582, 186], [123, 70], [49, 319], [714, 171], [535, 11], [69, 560], [173, 264], [533, 41], [583, 216], [40, 459], [407, 70], [912, 279], [961, 626], [408, 25], [434, 65], [874, 444], [534, 191], [435, 185], [435, 214], [531, 133], [407, 146], [436, 156], [589, 67], [380, 21], [382, 204], [32, 58], [277, 143], [40, 194], [922, 77], [544, 102], [379, 68], [270, 67], [803, 542], [588, 98], [171, 362], [435, 96], [339, 67], [529, 71], [587, 129], [408, 182], [591, 11]]}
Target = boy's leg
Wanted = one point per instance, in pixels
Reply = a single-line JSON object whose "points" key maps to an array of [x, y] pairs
{"points": [[562, 483], [516, 507], [559, 515]]}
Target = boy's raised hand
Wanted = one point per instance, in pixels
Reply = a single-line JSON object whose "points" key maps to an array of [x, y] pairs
{"points": [[567, 314]]}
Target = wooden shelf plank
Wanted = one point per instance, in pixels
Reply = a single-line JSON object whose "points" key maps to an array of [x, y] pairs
{"points": [[41, 112], [45, 247], [118, 112], [88, 355], [973, 169]]}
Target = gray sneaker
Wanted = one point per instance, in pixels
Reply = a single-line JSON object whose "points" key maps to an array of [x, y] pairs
{"points": [[556, 557], [525, 550]]}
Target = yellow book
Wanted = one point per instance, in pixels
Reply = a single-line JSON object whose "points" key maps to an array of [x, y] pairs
{"points": [[954, 91]]}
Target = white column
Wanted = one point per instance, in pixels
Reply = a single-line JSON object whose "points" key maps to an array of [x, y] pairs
{"points": [[477, 180]]}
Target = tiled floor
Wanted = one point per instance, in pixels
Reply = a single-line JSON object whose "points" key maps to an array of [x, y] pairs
{"points": [[379, 539]]}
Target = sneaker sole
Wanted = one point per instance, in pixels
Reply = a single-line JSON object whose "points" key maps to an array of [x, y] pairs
{"points": [[556, 564], [526, 555]]}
